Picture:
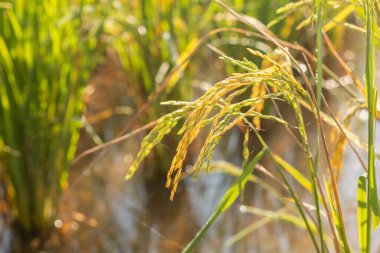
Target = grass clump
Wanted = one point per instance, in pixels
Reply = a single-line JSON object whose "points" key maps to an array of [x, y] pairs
{"points": [[45, 61]]}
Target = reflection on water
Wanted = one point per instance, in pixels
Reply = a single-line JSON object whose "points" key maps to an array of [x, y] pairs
{"points": [[137, 216], [5, 236]]}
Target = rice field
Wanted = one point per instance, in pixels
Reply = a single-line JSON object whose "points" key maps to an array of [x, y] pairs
{"points": [[189, 126]]}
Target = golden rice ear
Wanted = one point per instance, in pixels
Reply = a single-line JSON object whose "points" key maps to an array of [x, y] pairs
{"points": [[217, 107], [164, 126], [341, 141], [337, 156], [245, 148], [258, 90]]}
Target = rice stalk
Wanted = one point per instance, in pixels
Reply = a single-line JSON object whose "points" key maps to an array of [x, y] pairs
{"points": [[372, 199], [319, 77]]}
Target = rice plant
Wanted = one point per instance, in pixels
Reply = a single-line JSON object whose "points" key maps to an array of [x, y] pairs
{"points": [[225, 105], [45, 60]]}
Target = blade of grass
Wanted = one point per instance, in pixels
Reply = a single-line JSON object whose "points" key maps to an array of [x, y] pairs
{"points": [[280, 216], [231, 169], [362, 214], [301, 179], [339, 18], [246, 231], [335, 214]]}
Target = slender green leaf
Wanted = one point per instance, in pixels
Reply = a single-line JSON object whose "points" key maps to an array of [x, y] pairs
{"points": [[301, 179], [279, 216], [337, 223], [362, 214]]}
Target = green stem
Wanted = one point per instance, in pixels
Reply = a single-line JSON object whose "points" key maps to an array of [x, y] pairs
{"points": [[314, 173], [318, 4], [369, 77]]}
